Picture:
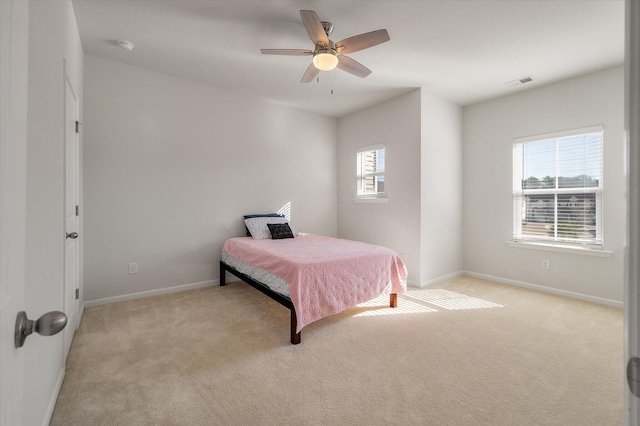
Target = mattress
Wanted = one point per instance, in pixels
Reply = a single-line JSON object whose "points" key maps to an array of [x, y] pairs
{"points": [[275, 283]]}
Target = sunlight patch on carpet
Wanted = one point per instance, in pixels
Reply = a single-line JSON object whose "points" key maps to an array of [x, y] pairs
{"points": [[449, 299], [380, 306]]}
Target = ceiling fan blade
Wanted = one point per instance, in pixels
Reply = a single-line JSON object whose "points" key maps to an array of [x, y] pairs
{"points": [[314, 27], [362, 41], [290, 52], [352, 66], [310, 74]]}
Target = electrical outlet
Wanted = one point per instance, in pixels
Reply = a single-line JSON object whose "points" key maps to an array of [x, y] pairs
{"points": [[133, 268], [544, 264]]}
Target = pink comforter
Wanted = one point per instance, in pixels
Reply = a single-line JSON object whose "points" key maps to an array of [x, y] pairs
{"points": [[325, 275]]}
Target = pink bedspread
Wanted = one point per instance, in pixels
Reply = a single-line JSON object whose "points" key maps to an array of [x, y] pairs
{"points": [[325, 275]]}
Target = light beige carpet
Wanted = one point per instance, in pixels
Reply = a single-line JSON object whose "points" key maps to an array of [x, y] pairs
{"points": [[469, 352]]}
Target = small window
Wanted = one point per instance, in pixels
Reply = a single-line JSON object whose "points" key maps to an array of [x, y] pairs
{"points": [[370, 172], [557, 188]]}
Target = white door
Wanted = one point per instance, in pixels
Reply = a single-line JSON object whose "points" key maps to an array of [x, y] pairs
{"points": [[632, 260], [71, 215], [14, 18]]}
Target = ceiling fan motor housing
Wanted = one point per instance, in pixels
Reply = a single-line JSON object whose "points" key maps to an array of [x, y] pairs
{"points": [[331, 48]]}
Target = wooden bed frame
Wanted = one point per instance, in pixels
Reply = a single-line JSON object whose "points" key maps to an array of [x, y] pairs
{"points": [[283, 300]]}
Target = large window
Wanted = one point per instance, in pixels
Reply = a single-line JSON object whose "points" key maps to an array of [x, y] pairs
{"points": [[370, 172], [557, 188]]}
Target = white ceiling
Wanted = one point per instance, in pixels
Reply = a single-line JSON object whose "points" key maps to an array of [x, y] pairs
{"points": [[463, 51]]}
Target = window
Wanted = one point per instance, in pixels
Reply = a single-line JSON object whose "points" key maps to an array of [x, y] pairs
{"points": [[370, 172], [557, 188]]}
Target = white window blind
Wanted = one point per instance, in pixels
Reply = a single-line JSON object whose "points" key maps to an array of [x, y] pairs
{"points": [[557, 187], [370, 171]]}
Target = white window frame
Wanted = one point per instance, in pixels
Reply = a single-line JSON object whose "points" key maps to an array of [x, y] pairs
{"points": [[359, 175], [519, 193]]}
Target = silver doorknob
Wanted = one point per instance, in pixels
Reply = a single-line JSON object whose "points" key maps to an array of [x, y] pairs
{"points": [[72, 235], [47, 325]]}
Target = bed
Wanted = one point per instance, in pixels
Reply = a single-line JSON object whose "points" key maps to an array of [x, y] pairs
{"points": [[313, 275]]}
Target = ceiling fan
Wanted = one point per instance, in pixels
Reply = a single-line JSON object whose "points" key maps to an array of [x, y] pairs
{"points": [[328, 55]]}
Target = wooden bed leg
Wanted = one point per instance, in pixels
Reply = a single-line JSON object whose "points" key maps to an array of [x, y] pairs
{"points": [[295, 337], [222, 275], [393, 300]]}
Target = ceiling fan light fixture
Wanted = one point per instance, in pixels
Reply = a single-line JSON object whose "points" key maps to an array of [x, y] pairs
{"points": [[325, 59]]}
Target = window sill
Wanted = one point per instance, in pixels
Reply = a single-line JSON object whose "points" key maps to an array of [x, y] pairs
{"points": [[561, 248], [383, 200]]}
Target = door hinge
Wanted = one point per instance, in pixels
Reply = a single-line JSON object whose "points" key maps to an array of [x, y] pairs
{"points": [[78, 124], [77, 210], [77, 293]]}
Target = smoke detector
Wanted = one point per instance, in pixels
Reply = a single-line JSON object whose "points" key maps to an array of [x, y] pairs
{"points": [[125, 45], [520, 81]]}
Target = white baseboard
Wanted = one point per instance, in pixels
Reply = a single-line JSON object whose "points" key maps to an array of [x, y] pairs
{"points": [[184, 287], [81, 314], [435, 281], [412, 283], [559, 292], [141, 294]]}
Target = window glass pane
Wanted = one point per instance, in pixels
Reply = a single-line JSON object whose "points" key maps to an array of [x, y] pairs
{"points": [[579, 161], [370, 172], [577, 216], [539, 208], [371, 161], [371, 185], [380, 160], [538, 215], [539, 163]]}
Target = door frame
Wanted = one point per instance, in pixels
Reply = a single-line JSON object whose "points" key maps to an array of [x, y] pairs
{"points": [[14, 56], [632, 249], [70, 128]]}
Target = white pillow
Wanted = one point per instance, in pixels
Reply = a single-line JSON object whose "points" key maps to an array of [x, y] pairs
{"points": [[258, 226]]}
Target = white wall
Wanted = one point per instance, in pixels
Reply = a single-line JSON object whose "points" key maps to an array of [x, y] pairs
{"points": [[441, 189], [53, 38], [396, 224], [172, 165], [489, 129], [423, 178]]}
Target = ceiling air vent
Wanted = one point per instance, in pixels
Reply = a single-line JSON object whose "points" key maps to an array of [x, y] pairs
{"points": [[519, 81]]}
